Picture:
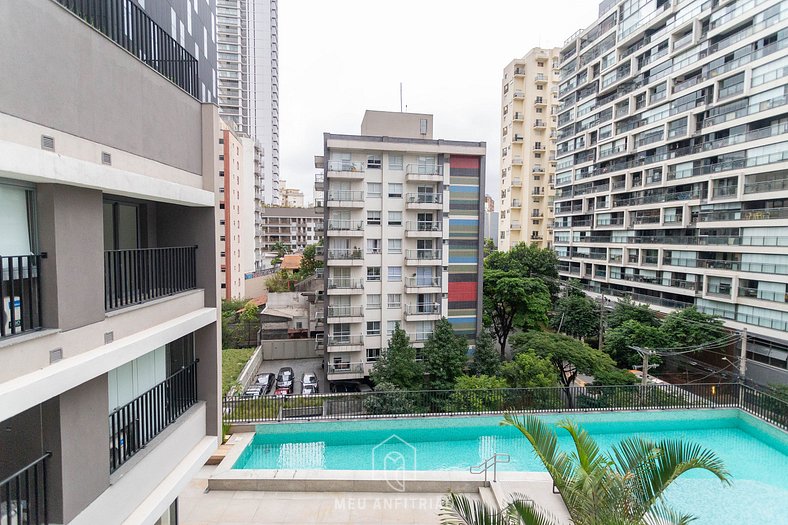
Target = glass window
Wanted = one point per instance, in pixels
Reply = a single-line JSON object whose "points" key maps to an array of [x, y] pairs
{"points": [[373, 246], [373, 162], [395, 162], [373, 354], [395, 274], [395, 218], [373, 217], [373, 327], [373, 301], [373, 273], [395, 190], [16, 204], [394, 300], [395, 245], [374, 189], [390, 326]]}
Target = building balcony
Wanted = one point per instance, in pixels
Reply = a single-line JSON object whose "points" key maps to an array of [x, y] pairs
{"points": [[345, 170], [763, 295], [518, 117], [517, 182], [424, 229], [517, 139], [517, 203], [145, 274], [516, 225], [345, 228], [519, 71], [345, 199], [418, 339], [540, 79], [319, 182], [345, 314], [423, 312], [423, 285], [424, 173], [540, 124], [517, 161], [424, 257], [133, 425], [344, 286], [424, 201], [345, 343], [540, 101], [341, 371], [20, 290], [519, 95], [353, 257]]}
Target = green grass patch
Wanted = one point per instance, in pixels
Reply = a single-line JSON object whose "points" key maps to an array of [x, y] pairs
{"points": [[233, 361]]}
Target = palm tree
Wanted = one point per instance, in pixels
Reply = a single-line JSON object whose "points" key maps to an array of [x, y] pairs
{"points": [[625, 486]]}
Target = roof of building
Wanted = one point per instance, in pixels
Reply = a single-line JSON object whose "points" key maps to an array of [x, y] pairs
{"points": [[291, 262], [257, 301]]}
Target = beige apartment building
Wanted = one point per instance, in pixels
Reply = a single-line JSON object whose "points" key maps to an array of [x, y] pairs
{"points": [[528, 120], [109, 339]]}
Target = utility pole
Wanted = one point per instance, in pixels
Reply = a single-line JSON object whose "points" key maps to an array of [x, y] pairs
{"points": [[743, 356], [644, 381]]}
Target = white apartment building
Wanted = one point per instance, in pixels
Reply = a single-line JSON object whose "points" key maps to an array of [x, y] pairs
{"points": [[297, 228], [403, 243], [109, 338], [529, 104], [672, 154]]}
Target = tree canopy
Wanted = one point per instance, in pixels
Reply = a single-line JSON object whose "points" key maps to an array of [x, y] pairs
{"points": [[689, 327], [486, 360], [398, 365], [445, 355], [309, 261], [619, 340], [576, 315], [528, 370], [626, 310]]}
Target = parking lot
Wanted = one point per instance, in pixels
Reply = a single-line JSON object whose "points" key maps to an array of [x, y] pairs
{"points": [[299, 366]]}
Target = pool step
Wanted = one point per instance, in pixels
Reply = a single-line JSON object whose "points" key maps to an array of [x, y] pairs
{"points": [[488, 498]]}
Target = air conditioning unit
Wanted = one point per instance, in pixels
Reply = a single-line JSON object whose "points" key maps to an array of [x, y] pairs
{"points": [[8, 305]]}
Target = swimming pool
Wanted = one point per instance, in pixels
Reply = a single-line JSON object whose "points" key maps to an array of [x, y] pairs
{"points": [[754, 452]]}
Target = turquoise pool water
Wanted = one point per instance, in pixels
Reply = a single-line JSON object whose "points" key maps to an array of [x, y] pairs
{"points": [[755, 453]]}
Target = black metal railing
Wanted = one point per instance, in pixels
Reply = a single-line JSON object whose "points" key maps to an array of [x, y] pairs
{"points": [[141, 275], [20, 293], [535, 400], [126, 24], [135, 424], [23, 495]]}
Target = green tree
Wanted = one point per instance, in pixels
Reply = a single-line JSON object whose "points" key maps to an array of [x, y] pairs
{"points": [[620, 340], [477, 394], [512, 301], [576, 315], [626, 309], [398, 365], [280, 249], [251, 313], [625, 486], [279, 282], [567, 355], [489, 246], [528, 370], [614, 377], [528, 260], [445, 355], [309, 261], [689, 327], [486, 360], [388, 399]]}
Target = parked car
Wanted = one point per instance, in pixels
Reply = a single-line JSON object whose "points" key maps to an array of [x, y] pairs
{"points": [[284, 379], [282, 392], [309, 379], [266, 381], [254, 390], [309, 390]]}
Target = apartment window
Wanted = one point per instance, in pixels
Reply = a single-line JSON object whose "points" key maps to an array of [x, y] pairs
{"points": [[390, 326], [395, 218], [540, 87], [374, 189], [395, 190], [395, 162], [373, 327], [395, 274], [373, 273], [373, 218], [373, 246], [540, 64], [373, 301], [394, 300], [395, 246], [539, 110], [373, 354], [373, 162]]}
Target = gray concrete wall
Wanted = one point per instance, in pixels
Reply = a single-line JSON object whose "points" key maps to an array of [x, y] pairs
{"points": [[72, 78], [289, 349], [70, 232], [20, 441]]}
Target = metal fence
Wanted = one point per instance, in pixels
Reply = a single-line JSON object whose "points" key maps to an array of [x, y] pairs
{"points": [[23, 495], [20, 294], [476, 402], [136, 423]]}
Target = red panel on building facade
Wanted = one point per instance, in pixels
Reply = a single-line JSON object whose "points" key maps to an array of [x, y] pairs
{"points": [[462, 291], [462, 161]]}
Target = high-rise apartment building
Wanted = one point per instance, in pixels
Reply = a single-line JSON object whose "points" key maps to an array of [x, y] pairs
{"points": [[292, 197], [404, 223], [297, 228], [672, 154], [109, 339], [528, 120], [248, 72]]}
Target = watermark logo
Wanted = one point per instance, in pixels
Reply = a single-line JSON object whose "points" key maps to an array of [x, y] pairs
{"points": [[394, 457]]}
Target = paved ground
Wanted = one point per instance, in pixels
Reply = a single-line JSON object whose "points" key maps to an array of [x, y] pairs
{"points": [[299, 366], [197, 507]]}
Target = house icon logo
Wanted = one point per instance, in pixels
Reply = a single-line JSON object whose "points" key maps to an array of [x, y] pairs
{"points": [[394, 457]]}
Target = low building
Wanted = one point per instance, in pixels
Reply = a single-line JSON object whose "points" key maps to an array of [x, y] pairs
{"points": [[296, 228]]}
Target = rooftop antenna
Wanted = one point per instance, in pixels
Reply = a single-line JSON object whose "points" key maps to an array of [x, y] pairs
{"points": [[400, 97]]}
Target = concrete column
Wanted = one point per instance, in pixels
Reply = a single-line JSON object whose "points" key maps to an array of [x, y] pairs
{"points": [[70, 225], [209, 376]]}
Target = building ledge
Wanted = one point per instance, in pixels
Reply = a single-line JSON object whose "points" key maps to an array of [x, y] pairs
{"points": [[5, 342]]}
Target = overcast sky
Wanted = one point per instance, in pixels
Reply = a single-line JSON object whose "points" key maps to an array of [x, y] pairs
{"points": [[338, 58]]}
